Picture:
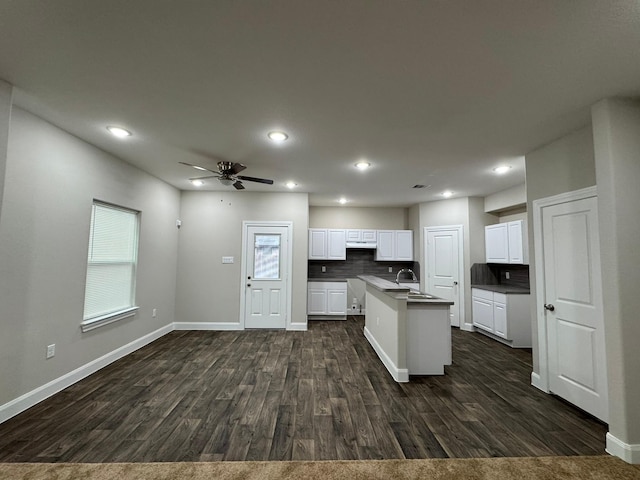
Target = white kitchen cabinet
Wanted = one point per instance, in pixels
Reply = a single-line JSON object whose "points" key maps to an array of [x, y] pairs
{"points": [[404, 245], [327, 299], [327, 244], [337, 300], [516, 250], [504, 242], [316, 300], [385, 249], [496, 241], [358, 235], [482, 313], [505, 316], [394, 245]]}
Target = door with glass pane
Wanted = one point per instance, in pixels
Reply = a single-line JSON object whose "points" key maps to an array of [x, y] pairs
{"points": [[266, 276]]}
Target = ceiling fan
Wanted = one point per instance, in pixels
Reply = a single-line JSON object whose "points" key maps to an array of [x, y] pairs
{"points": [[227, 174]]}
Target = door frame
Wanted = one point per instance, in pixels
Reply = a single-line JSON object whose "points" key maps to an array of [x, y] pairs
{"points": [[246, 224], [540, 380], [461, 283]]}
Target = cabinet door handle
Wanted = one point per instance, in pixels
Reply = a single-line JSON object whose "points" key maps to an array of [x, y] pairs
{"points": [[248, 284], [549, 306]]}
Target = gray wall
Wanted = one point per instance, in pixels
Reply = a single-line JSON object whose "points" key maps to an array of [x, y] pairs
{"points": [[564, 165], [6, 93], [376, 218], [209, 291], [51, 180], [616, 131], [468, 212]]}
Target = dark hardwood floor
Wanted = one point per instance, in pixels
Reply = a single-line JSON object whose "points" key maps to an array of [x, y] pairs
{"points": [[276, 395]]}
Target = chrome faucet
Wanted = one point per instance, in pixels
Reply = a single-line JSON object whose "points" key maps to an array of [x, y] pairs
{"points": [[406, 270]]}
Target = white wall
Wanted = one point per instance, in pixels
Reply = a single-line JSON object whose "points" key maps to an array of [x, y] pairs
{"points": [[564, 165], [506, 199], [208, 292], [392, 218], [616, 131], [51, 180]]}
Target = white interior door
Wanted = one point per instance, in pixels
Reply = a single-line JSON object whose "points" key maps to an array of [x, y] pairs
{"points": [[444, 258], [573, 305], [265, 277]]}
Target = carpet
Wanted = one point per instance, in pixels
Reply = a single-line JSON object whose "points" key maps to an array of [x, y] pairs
{"points": [[539, 468]]}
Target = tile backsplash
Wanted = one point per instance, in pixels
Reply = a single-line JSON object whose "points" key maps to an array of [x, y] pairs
{"points": [[496, 274], [360, 261]]}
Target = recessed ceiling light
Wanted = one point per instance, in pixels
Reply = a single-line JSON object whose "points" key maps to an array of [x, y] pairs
{"points": [[447, 193], [119, 132], [197, 183], [342, 201], [502, 169], [362, 165], [291, 184], [277, 136]]}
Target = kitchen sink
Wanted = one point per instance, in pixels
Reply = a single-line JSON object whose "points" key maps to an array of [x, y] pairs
{"points": [[414, 294]]}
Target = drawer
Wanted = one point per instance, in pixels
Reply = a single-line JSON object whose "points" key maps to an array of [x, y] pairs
{"points": [[328, 285], [500, 298], [484, 294]]}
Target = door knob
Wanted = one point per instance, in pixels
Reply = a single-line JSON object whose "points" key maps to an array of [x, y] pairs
{"points": [[549, 306], [455, 283]]}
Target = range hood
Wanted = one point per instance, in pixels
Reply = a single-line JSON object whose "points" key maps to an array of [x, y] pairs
{"points": [[362, 245]]}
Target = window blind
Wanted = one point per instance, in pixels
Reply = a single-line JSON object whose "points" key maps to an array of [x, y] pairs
{"points": [[111, 263]]}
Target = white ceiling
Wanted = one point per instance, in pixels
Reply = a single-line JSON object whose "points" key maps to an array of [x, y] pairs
{"points": [[430, 92]]}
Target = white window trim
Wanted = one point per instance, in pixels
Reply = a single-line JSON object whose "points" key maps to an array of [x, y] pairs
{"points": [[97, 322]]}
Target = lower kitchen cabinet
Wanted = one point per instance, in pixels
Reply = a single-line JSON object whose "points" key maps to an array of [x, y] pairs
{"points": [[327, 300], [505, 317]]}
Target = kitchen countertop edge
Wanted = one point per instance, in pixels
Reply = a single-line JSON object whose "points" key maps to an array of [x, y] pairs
{"points": [[506, 289]]}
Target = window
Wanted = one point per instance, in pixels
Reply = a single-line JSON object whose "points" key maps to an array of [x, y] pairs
{"points": [[111, 265], [266, 257]]}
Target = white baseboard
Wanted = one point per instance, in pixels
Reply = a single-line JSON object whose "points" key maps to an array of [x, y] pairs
{"points": [[206, 326], [29, 399], [297, 327], [620, 449], [399, 374], [536, 381], [467, 327]]}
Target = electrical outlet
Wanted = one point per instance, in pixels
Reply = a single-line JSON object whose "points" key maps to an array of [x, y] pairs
{"points": [[227, 259], [51, 350], [324, 269], [154, 312], [390, 269], [506, 275]]}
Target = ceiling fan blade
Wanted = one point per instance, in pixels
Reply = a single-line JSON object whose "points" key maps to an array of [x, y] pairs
{"points": [[238, 185], [236, 168], [204, 178], [254, 179], [198, 167]]}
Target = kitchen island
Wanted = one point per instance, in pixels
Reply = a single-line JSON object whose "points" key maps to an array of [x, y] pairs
{"points": [[410, 331]]}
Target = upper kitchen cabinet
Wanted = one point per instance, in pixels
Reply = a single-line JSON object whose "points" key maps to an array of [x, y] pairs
{"points": [[357, 235], [504, 243], [327, 244], [395, 245]]}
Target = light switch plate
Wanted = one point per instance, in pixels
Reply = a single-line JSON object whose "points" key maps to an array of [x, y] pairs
{"points": [[227, 259]]}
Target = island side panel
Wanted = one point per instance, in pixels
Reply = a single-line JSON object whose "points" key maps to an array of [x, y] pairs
{"points": [[428, 339], [386, 330]]}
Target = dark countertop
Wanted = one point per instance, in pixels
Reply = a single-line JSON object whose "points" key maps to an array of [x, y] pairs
{"points": [[506, 289], [402, 293]]}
